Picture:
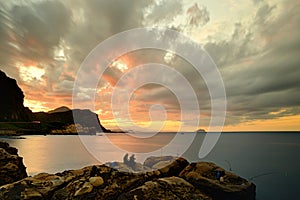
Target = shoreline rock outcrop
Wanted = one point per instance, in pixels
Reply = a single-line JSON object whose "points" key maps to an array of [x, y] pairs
{"points": [[11, 165], [177, 180], [231, 187]]}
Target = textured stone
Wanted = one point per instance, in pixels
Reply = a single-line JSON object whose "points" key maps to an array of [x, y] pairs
{"points": [[165, 188], [152, 160], [96, 181], [11, 164], [203, 176], [174, 168], [31, 194], [86, 188]]}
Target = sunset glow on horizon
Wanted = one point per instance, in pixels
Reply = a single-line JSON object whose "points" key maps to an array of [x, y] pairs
{"points": [[254, 44]]}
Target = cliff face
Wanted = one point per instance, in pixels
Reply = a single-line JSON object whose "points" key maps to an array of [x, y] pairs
{"points": [[11, 101], [58, 121]]}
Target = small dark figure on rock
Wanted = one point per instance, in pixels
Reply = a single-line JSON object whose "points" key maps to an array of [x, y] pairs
{"points": [[125, 159], [131, 162]]}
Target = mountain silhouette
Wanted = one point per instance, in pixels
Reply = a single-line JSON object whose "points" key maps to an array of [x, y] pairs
{"points": [[14, 116]]}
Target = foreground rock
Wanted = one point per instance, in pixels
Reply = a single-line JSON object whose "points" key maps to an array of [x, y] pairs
{"points": [[165, 188], [203, 176], [178, 180], [11, 164]]}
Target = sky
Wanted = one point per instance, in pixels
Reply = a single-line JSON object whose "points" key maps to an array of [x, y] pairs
{"points": [[255, 45]]}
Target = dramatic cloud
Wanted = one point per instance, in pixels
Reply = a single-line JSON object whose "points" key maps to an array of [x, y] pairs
{"points": [[255, 44], [265, 80]]}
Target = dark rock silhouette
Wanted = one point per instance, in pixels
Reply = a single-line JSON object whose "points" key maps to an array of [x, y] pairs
{"points": [[11, 101], [11, 164], [60, 109], [17, 119], [61, 120]]}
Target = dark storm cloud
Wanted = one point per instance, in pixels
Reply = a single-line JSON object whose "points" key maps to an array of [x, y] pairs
{"points": [[240, 45], [267, 80], [259, 62], [33, 32], [7, 47], [35, 29], [96, 20]]}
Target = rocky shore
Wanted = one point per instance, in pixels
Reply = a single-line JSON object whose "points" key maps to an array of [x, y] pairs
{"points": [[170, 178], [11, 164]]}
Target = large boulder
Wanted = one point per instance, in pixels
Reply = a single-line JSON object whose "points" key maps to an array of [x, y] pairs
{"points": [[171, 168], [152, 160], [203, 175], [165, 188], [11, 164]]}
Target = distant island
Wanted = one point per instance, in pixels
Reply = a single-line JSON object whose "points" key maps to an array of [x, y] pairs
{"points": [[201, 131], [15, 119]]}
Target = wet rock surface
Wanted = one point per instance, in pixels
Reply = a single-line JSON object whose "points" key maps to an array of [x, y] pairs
{"points": [[178, 180], [11, 164]]}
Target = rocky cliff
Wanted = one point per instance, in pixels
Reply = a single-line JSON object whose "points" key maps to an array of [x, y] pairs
{"points": [[62, 122], [13, 114], [11, 101]]}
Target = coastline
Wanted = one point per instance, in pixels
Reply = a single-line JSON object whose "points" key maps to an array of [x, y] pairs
{"points": [[164, 177], [8, 133], [40, 132]]}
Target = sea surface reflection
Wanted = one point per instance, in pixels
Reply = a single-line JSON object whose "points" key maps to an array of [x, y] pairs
{"points": [[270, 160]]}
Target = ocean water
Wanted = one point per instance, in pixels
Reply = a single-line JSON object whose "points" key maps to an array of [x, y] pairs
{"points": [[270, 160]]}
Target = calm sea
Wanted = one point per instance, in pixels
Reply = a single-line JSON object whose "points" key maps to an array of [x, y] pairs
{"points": [[270, 160]]}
